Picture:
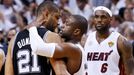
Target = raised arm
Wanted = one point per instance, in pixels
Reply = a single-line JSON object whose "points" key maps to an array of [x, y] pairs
{"points": [[55, 50], [9, 63], [125, 49], [58, 65]]}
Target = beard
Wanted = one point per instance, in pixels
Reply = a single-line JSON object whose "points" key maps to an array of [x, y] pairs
{"points": [[101, 28], [50, 27], [64, 36]]}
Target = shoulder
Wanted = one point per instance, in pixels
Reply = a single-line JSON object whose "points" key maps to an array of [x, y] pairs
{"points": [[52, 33], [90, 37], [91, 34], [122, 41], [52, 37], [70, 47], [124, 45]]}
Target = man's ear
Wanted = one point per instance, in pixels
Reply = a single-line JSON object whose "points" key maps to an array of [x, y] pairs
{"points": [[45, 14], [77, 31], [111, 18]]}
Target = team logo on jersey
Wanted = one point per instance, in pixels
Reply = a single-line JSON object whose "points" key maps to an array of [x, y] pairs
{"points": [[110, 44]]}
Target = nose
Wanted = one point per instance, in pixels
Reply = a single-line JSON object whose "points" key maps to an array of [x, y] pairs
{"points": [[61, 27], [99, 19]]}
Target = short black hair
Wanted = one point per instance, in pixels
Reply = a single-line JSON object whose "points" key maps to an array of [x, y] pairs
{"points": [[49, 5], [81, 23], [83, 1]]}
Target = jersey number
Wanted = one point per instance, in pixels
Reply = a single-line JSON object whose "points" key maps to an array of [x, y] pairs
{"points": [[104, 67], [24, 60]]}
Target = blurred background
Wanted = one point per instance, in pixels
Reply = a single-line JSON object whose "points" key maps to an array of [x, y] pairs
{"points": [[16, 14]]}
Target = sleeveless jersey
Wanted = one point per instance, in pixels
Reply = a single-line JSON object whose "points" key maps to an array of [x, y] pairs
{"points": [[24, 61], [81, 70], [102, 58]]}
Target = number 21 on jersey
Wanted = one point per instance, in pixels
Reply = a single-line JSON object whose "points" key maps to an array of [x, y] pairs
{"points": [[24, 60]]}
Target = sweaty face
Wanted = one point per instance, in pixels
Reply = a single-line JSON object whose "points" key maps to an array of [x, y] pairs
{"points": [[67, 29], [52, 22], [102, 20]]}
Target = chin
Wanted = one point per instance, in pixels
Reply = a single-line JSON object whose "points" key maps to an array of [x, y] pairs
{"points": [[99, 28], [63, 36]]}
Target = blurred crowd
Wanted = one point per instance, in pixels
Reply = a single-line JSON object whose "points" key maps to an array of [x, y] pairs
{"points": [[16, 14]]}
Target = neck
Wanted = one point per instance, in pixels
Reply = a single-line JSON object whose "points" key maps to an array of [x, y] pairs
{"points": [[103, 34], [74, 40]]}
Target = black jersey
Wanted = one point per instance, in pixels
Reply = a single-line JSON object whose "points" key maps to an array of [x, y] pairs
{"points": [[24, 61]]}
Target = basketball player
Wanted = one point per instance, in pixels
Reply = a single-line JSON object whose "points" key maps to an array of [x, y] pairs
{"points": [[71, 52], [106, 50], [20, 59]]}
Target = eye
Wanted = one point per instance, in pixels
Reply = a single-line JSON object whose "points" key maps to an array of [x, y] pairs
{"points": [[96, 16], [104, 17]]}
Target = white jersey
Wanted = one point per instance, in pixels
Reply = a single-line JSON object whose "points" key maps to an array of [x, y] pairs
{"points": [[81, 70], [102, 58]]}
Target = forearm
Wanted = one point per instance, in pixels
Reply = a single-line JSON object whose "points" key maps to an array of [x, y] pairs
{"points": [[47, 49], [9, 63], [9, 66], [1, 62], [39, 46], [59, 67], [2, 58]]}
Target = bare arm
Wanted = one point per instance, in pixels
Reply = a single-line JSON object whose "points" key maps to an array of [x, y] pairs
{"points": [[70, 52], [9, 63], [2, 58], [66, 50], [125, 49], [58, 65], [53, 37], [62, 49]]}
